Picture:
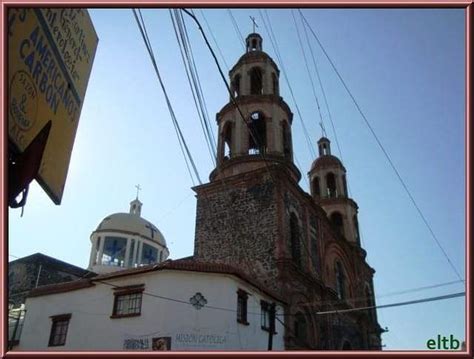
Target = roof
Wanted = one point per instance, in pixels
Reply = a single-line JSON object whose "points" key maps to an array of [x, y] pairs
{"points": [[183, 264], [131, 224], [254, 57], [326, 161], [45, 260]]}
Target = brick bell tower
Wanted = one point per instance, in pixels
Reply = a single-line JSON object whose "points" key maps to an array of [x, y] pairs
{"points": [[254, 215]]}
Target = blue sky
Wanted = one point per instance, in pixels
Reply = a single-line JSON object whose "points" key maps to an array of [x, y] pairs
{"points": [[406, 69]]}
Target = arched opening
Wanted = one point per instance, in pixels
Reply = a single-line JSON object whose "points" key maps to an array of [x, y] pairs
{"points": [[346, 345], [331, 185], [340, 281], [356, 228], [114, 251], [275, 84], [301, 330], [344, 184], [236, 85], [369, 302], [258, 134], [315, 185], [254, 44], [337, 222], [256, 83], [227, 138], [295, 239], [286, 140]]}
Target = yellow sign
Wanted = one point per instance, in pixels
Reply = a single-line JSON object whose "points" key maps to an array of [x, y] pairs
{"points": [[50, 56]]}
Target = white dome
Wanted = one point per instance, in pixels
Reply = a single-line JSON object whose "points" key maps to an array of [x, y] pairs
{"points": [[126, 240], [131, 224]]}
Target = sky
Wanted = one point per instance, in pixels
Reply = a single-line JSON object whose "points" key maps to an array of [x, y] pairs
{"points": [[404, 67]]}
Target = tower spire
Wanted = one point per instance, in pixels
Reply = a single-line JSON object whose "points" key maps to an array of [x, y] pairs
{"points": [[254, 23]]}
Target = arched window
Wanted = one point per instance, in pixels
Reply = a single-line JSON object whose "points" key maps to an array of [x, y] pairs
{"points": [[286, 140], [337, 222], [340, 281], [258, 134], [316, 191], [275, 84], [300, 330], [356, 228], [369, 302], [256, 83], [331, 185], [114, 251], [295, 239], [236, 85], [344, 183], [227, 138]]}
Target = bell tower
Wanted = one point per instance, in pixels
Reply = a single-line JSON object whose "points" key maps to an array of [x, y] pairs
{"points": [[327, 179], [255, 125]]}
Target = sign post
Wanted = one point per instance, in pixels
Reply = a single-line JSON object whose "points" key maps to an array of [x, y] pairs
{"points": [[50, 56]]}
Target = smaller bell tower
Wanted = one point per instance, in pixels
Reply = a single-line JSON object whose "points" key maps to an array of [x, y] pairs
{"points": [[328, 182]]}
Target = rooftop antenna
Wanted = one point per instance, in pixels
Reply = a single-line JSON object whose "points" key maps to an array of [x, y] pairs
{"points": [[254, 23], [138, 189]]}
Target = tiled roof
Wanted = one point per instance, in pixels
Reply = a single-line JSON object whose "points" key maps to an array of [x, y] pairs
{"points": [[183, 264]]}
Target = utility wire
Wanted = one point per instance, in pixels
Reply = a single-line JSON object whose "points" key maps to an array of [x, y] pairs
{"points": [[184, 146], [398, 304], [383, 150], [307, 68], [269, 30], [322, 89], [215, 41], [236, 27], [201, 92], [192, 79]]}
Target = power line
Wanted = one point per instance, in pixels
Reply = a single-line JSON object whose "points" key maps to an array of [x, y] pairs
{"points": [[398, 304], [307, 67], [269, 30], [384, 151], [191, 73], [315, 64], [213, 38], [236, 27], [181, 140]]}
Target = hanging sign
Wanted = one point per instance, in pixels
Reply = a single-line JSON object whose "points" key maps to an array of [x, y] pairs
{"points": [[50, 56]]}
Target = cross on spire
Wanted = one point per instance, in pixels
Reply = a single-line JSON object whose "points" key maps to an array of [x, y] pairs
{"points": [[254, 23], [323, 129], [138, 189]]}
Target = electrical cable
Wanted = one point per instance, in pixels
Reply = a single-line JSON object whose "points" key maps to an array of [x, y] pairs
{"points": [[433, 235], [269, 30], [192, 81], [236, 28], [183, 144]]}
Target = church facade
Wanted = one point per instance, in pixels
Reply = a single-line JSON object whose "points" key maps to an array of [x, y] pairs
{"points": [[294, 258], [254, 215]]}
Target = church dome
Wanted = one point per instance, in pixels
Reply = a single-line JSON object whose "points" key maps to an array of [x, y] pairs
{"points": [[129, 223], [326, 161], [126, 240]]}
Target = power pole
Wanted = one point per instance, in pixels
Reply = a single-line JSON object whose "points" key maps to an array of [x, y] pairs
{"points": [[272, 326]]}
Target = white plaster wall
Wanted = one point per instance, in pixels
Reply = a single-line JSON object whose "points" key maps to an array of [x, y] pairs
{"points": [[91, 328]]}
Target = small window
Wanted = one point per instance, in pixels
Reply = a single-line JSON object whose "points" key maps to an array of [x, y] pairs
{"points": [[128, 302], [242, 297], [59, 327], [267, 316]]}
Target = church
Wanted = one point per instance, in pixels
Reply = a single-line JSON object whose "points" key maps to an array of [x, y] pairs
{"points": [[274, 267]]}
